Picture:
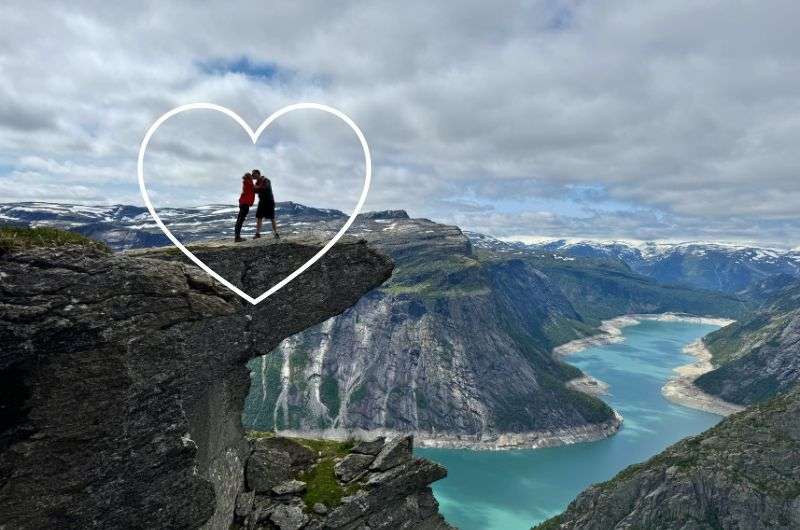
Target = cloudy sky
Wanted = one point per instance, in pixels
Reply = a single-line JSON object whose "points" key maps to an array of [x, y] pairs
{"points": [[616, 119]]}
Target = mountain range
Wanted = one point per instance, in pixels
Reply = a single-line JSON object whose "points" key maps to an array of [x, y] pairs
{"points": [[461, 312], [719, 267], [424, 352], [727, 268]]}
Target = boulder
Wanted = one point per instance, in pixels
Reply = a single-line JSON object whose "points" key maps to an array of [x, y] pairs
{"points": [[352, 466], [372, 447], [262, 509], [288, 517], [289, 487], [300, 456], [275, 460], [396, 451], [266, 469], [389, 491]]}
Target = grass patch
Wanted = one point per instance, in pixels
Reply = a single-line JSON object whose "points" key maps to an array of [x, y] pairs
{"points": [[14, 238], [321, 483], [328, 448], [322, 486], [258, 435]]}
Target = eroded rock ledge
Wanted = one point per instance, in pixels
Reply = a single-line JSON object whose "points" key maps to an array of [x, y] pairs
{"points": [[314, 484], [123, 376]]}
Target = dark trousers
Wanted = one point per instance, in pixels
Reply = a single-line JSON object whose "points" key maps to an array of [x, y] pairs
{"points": [[243, 209]]}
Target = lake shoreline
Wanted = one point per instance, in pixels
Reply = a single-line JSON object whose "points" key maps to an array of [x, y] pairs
{"points": [[680, 388], [610, 331], [483, 442], [681, 391]]}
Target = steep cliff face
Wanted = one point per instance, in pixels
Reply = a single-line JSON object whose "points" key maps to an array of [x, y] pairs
{"points": [[123, 377], [454, 348], [743, 474], [759, 356], [425, 353]]}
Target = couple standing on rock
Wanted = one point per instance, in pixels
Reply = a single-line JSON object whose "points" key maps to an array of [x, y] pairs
{"points": [[252, 183]]}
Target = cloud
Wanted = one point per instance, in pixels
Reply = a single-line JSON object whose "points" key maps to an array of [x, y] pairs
{"points": [[675, 119]]}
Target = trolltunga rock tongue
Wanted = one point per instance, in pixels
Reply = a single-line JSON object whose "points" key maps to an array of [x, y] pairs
{"points": [[125, 375]]}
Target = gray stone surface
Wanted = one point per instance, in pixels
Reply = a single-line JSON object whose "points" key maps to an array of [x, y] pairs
{"points": [[399, 498], [386, 489], [266, 469], [396, 451], [275, 460], [352, 466], [126, 375], [370, 447], [289, 487], [288, 517], [742, 474]]}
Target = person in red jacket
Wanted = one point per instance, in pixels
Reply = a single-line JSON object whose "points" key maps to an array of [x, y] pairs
{"points": [[246, 200]]}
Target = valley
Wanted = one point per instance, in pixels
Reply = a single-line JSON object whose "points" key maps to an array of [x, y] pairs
{"points": [[471, 344], [512, 490]]}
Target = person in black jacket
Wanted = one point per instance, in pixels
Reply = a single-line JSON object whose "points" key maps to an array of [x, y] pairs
{"points": [[266, 204]]}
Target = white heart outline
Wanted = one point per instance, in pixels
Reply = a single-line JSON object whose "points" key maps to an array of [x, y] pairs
{"points": [[254, 135]]}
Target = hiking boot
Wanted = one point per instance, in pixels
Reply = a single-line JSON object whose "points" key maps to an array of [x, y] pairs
{"points": [[277, 236], [257, 236], [238, 239]]}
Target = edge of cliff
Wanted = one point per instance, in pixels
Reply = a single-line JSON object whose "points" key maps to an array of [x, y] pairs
{"points": [[124, 376]]}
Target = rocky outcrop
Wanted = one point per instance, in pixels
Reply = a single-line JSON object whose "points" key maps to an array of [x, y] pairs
{"points": [[337, 487], [742, 474], [424, 353], [759, 356], [123, 376]]}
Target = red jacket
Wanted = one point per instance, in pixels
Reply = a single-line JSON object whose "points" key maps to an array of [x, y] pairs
{"points": [[248, 195]]}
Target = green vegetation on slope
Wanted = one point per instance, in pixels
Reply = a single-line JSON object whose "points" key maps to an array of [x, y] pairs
{"points": [[448, 275], [13, 238], [759, 356], [321, 483], [259, 406], [728, 344], [599, 290]]}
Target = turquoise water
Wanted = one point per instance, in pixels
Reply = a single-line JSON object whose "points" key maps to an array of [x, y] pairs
{"points": [[508, 490]]}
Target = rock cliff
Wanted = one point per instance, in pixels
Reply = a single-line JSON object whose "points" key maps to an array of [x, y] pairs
{"points": [[742, 474], [425, 352], [759, 356], [123, 376], [314, 484]]}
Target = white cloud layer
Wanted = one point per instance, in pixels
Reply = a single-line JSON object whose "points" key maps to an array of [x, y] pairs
{"points": [[664, 119]]}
